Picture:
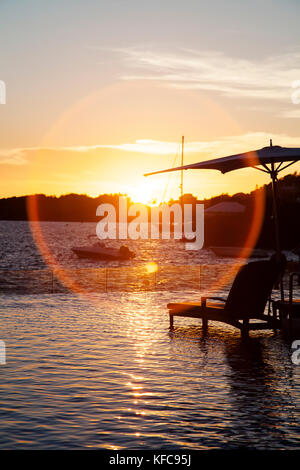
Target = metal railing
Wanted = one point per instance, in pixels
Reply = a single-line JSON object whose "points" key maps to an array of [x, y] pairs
{"points": [[133, 278]]}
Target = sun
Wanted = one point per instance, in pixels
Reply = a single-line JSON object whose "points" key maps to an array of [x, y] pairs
{"points": [[145, 193]]}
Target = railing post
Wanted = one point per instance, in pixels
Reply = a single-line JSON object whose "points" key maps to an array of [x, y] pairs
{"points": [[199, 277]]}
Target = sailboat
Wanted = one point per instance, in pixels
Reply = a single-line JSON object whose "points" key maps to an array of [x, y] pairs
{"points": [[183, 239]]}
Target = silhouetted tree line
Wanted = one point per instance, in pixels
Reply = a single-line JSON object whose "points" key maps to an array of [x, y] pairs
{"points": [[220, 229]]}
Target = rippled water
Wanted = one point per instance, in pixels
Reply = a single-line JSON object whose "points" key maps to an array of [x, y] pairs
{"points": [[111, 375], [23, 270], [18, 250], [106, 372]]}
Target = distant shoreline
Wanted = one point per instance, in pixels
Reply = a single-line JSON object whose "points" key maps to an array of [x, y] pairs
{"points": [[221, 229]]}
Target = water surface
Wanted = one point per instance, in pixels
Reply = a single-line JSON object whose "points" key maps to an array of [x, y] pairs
{"points": [[104, 371], [109, 374]]}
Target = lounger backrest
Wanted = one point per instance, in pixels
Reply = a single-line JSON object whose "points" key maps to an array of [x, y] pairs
{"points": [[253, 286]]}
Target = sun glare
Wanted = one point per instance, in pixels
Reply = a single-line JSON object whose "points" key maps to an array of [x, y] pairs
{"points": [[151, 267], [146, 193]]}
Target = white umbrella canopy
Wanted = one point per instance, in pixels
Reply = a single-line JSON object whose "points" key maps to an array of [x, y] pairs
{"points": [[259, 159]]}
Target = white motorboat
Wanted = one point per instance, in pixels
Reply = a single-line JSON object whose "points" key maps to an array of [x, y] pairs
{"points": [[100, 251]]}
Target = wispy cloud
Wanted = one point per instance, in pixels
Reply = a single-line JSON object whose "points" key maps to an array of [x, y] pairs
{"points": [[204, 149], [19, 155], [148, 146], [13, 156], [268, 79], [220, 147], [292, 113]]}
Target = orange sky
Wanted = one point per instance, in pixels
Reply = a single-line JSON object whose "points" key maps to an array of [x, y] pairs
{"points": [[91, 114]]}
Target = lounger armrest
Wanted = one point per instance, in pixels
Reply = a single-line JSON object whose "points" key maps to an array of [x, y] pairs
{"points": [[204, 299]]}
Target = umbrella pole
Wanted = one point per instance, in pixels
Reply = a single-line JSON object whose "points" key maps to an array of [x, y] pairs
{"points": [[275, 210], [276, 219]]}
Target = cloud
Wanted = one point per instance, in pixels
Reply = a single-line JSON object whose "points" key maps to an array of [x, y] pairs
{"points": [[292, 113], [220, 147], [147, 146], [19, 155], [271, 78], [204, 149], [13, 156]]}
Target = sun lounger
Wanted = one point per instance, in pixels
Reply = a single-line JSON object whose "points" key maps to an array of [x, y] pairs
{"points": [[246, 301]]}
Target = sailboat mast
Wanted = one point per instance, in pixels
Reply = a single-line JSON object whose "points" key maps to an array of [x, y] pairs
{"points": [[181, 184]]}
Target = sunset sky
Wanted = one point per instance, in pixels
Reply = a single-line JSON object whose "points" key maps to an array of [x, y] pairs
{"points": [[100, 92]]}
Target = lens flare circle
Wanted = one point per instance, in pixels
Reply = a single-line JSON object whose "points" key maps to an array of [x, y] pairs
{"points": [[66, 275]]}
